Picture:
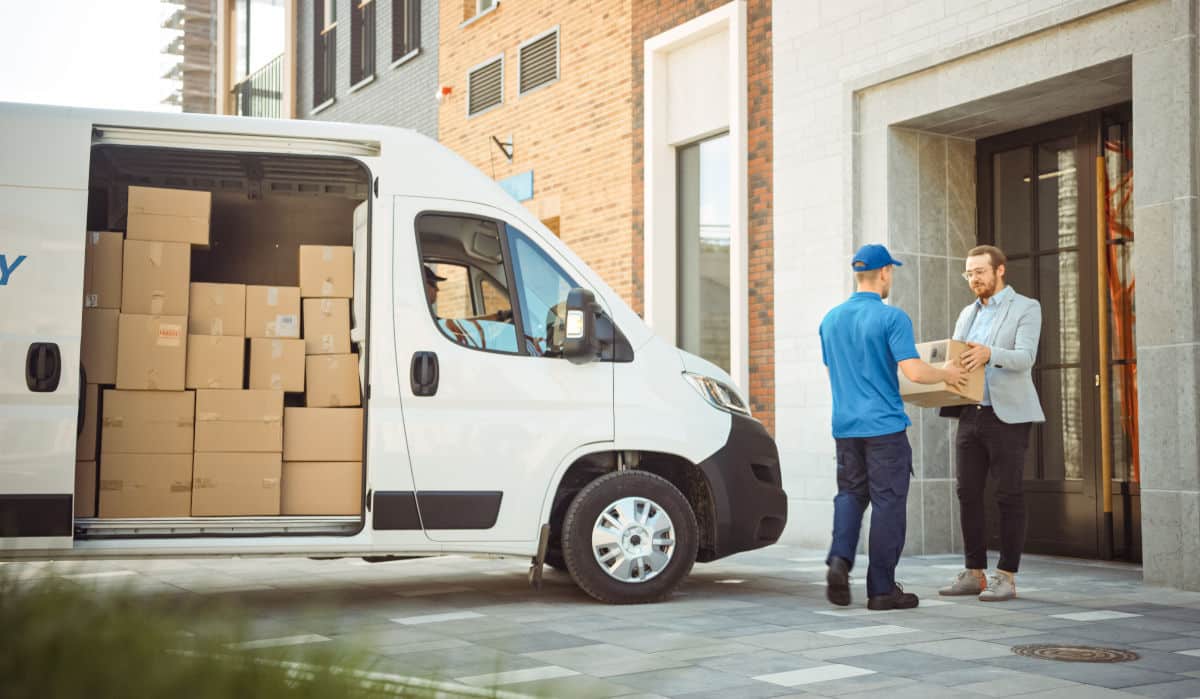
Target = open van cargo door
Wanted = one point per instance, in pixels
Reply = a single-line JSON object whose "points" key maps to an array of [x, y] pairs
{"points": [[43, 211]]}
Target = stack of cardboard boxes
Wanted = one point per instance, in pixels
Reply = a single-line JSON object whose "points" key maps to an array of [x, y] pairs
{"points": [[181, 434]]}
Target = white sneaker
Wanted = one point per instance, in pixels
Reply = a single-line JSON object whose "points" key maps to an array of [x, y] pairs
{"points": [[968, 582], [1001, 586]]}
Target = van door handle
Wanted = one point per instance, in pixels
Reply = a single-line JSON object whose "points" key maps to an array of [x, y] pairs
{"points": [[424, 373], [43, 367]]}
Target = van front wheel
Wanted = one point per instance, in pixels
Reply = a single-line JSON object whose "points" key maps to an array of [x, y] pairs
{"points": [[629, 537]]}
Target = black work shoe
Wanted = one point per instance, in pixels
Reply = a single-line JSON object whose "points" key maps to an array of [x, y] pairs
{"points": [[837, 582], [898, 599]]}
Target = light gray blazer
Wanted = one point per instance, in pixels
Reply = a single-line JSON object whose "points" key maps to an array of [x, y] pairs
{"points": [[1014, 343]]}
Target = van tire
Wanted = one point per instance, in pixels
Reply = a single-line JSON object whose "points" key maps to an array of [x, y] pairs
{"points": [[581, 517], [554, 559]]}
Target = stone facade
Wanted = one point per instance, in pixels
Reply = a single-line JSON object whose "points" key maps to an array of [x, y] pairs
{"points": [[400, 95], [878, 107]]}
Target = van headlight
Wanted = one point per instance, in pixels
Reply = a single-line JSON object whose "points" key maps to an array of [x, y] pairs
{"points": [[718, 394]]}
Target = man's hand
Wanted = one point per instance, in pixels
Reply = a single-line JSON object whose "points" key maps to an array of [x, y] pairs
{"points": [[976, 356], [954, 375]]}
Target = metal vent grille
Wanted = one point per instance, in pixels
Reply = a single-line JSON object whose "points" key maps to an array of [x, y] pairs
{"points": [[485, 87], [539, 62]]}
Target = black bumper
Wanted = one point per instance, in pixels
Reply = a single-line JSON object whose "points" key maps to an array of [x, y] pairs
{"points": [[749, 505]]}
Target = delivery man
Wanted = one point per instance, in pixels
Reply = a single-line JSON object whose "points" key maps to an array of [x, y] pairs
{"points": [[862, 343]]}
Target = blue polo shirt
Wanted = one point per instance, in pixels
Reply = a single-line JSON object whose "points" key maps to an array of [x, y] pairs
{"points": [[862, 341]]}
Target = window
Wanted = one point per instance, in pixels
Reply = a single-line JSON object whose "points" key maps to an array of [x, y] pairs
{"points": [[324, 51], [406, 27], [474, 8], [538, 62], [362, 40], [542, 287], [466, 284], [703, 247], [485, 87]]}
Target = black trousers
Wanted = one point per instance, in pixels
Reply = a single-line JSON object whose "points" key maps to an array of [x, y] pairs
{"points": [[985, 446]]}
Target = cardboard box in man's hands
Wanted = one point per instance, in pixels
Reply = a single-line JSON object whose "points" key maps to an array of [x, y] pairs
{"points": [[938, 395]]}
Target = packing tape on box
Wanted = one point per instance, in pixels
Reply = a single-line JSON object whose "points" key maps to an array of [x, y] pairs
{"points": [[327, 343], [178, 487], [327, 254], [156, 254], [270, 483], [276, 351], [276, 382], [183, 422], [95, 237], [272, 296], [114, 421], [326, 287], [157, 298], [326, 306], [217, 417], [111, 484], [216, 326], [199, 483], [208, 417]]}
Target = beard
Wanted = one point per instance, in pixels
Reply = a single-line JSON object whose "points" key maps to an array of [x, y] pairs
{"points": [[984, 290]]}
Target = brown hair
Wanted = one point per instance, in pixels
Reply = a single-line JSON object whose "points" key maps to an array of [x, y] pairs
{"points": [[995, 254]]}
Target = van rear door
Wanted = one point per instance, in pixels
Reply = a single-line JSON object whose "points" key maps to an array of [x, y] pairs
{"points": [[43, 217]]}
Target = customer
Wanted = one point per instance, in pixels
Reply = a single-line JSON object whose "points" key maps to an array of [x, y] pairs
{"points": [[862, 342], [1002, 328]]}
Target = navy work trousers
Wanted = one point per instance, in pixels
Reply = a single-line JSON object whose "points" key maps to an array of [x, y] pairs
{"points": [[874, 471]]}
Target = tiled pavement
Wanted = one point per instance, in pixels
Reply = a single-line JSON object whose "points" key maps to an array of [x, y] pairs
{"points": [[755, 625]]}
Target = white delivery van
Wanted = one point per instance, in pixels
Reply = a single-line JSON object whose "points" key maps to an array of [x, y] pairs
{"points": [[528, 411]]}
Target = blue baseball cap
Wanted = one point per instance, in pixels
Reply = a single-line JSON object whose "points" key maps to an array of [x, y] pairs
{"points": [[871, 257]]}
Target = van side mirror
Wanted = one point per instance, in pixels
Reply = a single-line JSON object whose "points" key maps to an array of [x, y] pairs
{"points": [[581, 344]]}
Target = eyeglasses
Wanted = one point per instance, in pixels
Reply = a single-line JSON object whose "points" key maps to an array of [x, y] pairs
{"points": [[971, 274]]}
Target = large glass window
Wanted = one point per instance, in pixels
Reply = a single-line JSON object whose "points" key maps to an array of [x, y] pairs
{"points": [[703, 249], [261, 29], [543, 287]]}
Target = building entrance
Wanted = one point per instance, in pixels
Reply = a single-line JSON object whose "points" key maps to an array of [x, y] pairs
{"points": [[1057, 198]]}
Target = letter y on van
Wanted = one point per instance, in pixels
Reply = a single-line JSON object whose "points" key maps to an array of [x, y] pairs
{"points": [[6, 269]]}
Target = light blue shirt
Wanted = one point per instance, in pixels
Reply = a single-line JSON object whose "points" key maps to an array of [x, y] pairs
{"points": [[981, 331]]}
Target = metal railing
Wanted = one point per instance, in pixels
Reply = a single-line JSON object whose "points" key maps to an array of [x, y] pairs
{"points": [[261, 94]]}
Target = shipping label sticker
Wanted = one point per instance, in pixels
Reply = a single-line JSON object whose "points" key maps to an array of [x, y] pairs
{"points": [[91, 300], [272, 296], [170, 335], [287, 325]]}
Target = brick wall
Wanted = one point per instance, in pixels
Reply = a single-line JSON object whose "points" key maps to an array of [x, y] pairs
{"points": [[649, 19], [400, 96], [573, 134]]}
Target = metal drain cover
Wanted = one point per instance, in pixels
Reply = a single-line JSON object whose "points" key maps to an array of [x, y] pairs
{"points": [[1075, 654]]}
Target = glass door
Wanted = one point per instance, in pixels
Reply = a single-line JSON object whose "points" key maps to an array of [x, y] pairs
{"points": [[1038, 204]]}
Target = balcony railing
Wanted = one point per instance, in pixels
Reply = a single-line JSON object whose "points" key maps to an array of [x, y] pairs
{"points": [[261, 94]]}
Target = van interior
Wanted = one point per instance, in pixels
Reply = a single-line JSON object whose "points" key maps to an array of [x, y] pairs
{"points": [[264, 206]]}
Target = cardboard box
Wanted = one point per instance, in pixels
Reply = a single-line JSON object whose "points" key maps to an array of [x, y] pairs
{"points": [[85, 488], [151, 352], [214, 361], [171, 215], [239, 421], [322, 488], [277, 364], [217, 309], [326, 271], [273, 311], [322, 434], [326, 326], [85, 445], [147, 422], [145, 485], [235, 484], [102, 256], [98, 344], [155, 278], [332, 381], [939, 354]]}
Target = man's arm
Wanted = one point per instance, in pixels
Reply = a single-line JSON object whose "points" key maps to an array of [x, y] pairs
{"points": [[1024, 352], [920, 371]]}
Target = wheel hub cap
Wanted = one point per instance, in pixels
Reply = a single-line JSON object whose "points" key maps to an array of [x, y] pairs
{"points": [[633, 540]]}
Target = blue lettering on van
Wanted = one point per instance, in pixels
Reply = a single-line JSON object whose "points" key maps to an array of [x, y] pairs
{"points": [[6, 269]]}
